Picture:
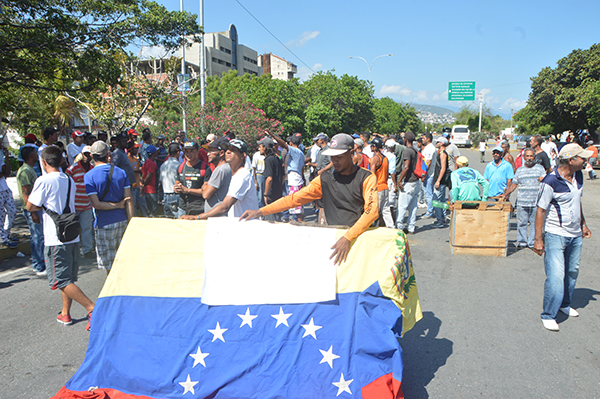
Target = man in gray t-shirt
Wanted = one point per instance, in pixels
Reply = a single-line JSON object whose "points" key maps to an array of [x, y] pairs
{"points": [[215, 190]]}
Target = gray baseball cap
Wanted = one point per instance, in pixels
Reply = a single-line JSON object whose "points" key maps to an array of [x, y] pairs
{"points": [[340, 144], [99, 148]]}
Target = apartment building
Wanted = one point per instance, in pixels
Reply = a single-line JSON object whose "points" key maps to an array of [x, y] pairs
{"points": [[278, 67]]}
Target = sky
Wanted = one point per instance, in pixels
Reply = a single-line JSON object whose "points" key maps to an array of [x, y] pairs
{"points": [[500, 45]]}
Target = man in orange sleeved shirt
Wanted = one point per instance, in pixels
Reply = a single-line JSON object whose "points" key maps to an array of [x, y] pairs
{"points": [[349, 196]]}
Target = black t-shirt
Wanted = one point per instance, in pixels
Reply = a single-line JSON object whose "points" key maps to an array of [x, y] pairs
{"points": [[410, 154], [343, 198], [193, 177], [274, 169], [541, 158]]}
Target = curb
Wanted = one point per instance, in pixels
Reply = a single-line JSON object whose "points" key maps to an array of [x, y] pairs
{"points": [[6, 253]]}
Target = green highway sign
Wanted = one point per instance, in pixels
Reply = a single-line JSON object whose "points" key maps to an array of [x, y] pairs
{"points": [[461, 91]]}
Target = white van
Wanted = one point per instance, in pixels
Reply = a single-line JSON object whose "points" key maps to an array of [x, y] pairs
{"points": [[461, 135]]}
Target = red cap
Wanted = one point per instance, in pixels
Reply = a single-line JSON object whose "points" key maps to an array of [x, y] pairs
{"points": [[132, 132], [77, 133], [31, 136]]}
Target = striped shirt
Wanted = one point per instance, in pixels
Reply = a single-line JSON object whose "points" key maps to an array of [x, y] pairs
{"points": [[82, 201], [562, 200], [528, 184]]}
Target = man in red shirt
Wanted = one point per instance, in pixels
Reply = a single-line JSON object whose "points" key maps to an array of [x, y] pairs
{"points": [[149, 202], [592, 160], [83, 206]]}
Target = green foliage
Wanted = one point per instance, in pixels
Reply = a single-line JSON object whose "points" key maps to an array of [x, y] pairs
{"points": [[476, 138], [391, 117], [565, 97], [71, 44]]}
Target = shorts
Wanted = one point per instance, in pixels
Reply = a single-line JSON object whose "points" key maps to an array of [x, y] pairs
{"points": [[108, 239], [297, 210], [62, 263]]}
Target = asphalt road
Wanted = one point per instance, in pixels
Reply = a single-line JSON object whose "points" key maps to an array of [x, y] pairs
{"points": [[481, 335]]}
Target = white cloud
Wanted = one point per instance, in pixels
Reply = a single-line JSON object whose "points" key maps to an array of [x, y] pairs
{"points": [[485, 92], [394, 91], [304, 72], [153, 52], [301, 41], [514, 104]]}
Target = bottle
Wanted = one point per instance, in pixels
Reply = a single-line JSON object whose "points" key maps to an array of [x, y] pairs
{"points": [[438, 204]]}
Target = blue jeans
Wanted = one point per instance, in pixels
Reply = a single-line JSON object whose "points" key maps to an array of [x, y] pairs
{"points": [[136, 194], [439, 194], [170, 203], [407, 201], [429, 193], [149, 204], [561, 261], [86, 239], [525, 216], [36, 240], [261, 189]]}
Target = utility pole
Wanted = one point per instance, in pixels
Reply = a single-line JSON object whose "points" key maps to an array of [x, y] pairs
{"points": [[202, 69], [183, 77], [480, 97]]}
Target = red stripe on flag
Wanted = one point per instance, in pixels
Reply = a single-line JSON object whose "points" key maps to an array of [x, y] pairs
{"points": [[385, 387], [100, 393]]}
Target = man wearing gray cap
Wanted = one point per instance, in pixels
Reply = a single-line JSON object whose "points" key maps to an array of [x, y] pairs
{"points": [[109, 191], [559, 231], [349, 196]]}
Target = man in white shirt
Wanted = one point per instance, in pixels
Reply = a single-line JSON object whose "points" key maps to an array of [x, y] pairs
{"points": [[366, 138], [62, 259], [258, 164], [428, 154], [551, 150], [241, 195], [74, 148]]}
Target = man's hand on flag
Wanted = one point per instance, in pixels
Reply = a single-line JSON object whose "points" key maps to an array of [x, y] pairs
{"points": [[340, 251]]}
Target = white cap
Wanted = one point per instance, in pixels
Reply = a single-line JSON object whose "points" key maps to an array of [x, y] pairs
{"points": [[390, 143]]}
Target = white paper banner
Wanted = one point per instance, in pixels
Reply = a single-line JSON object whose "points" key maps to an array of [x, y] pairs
{"points": [[256, 262]]}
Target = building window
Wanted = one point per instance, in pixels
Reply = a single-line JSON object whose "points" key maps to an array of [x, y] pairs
{"points": [[214, 59], [228, 64]]}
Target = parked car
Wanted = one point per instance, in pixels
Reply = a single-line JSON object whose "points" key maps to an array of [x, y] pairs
{"points": [[522, 141], [460, 136]]}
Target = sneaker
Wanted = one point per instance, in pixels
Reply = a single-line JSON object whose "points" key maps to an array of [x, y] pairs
{"points": [[43, 273], [421, 205], [440, 225], [10, 244], [550, 324], [89, 321], [569, 311], [66, 319], [429, 215], [521, 244]]}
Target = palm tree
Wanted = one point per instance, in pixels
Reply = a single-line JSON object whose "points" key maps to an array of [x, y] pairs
{"points": [[65, 109]]}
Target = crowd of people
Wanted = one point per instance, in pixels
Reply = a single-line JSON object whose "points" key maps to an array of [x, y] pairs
{"points": [[356, 181]]}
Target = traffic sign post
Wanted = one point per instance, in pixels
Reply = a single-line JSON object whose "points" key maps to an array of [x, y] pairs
{"points": [[461, 91]]}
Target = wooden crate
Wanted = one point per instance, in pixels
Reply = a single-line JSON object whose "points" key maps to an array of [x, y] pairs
{"points": [[480, 228]]}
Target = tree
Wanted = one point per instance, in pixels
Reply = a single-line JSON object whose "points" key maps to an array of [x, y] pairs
{"points": [[566, 97], [392, 118], [70, 44]]}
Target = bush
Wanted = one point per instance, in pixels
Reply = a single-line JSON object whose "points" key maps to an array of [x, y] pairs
{"points": [[476, 137]]}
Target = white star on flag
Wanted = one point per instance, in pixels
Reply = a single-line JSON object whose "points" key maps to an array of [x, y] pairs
{"points": [[218, 333], [247, 318], [188, 385], [328, 356], [281, 317], [311, 329], [343, 385], [199, 357]]}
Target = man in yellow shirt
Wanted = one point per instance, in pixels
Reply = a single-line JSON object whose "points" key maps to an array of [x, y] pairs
{"points": [[349, 196]]}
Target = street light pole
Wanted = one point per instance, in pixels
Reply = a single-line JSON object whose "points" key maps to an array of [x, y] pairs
{"points": [[480, 97], [371, 65], [183, 78]]}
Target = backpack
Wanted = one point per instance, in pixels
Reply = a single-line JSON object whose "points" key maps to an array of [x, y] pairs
{"points": [[67, 224], [420, 166]]}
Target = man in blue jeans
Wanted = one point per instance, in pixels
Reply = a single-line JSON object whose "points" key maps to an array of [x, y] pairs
{"points": [[560, 217], [26, 178], [409, 186]]}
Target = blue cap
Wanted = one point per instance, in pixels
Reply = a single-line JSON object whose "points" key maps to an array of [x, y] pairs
{"points": [[497, 148], [151, 149], [356, 136]]}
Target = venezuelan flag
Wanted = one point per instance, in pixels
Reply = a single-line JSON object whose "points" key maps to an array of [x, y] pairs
{"points": [[153, 337]]}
